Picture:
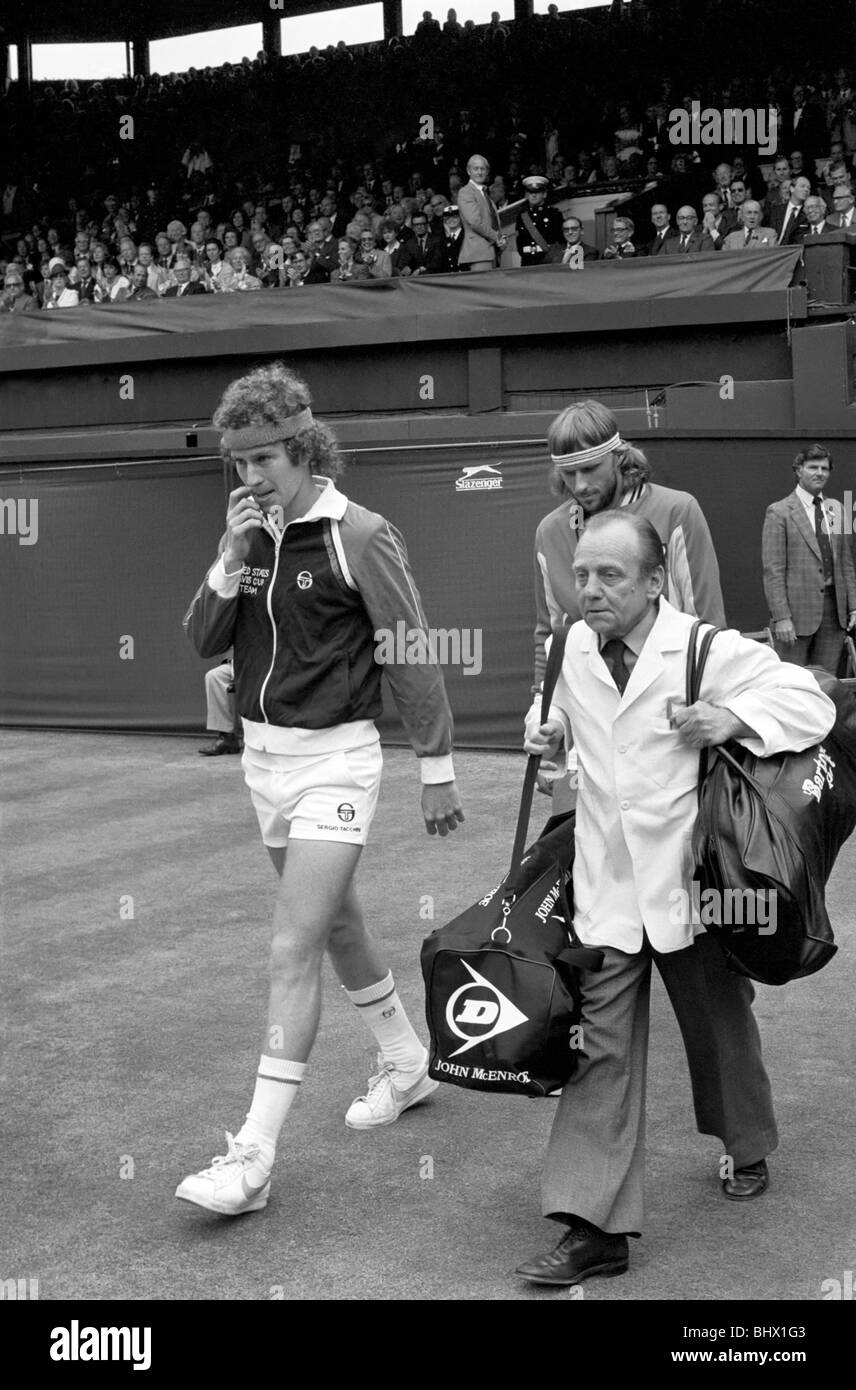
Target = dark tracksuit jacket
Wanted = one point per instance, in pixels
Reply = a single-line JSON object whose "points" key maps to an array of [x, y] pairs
{"points": [[302, 615]]}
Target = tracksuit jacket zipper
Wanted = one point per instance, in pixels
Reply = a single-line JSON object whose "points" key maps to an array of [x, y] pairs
{"points": [[278, 539]]}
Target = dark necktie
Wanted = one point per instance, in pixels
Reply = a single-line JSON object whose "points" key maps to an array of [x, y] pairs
{"points": [[684, 240], [823, 541], [613, 654]]}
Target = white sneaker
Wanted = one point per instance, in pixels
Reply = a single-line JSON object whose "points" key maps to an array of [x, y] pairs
{"points": [[235, 1183], [390, 1091]]}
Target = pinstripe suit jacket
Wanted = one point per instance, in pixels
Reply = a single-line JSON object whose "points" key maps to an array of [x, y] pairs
{"points": [[793, 568]]}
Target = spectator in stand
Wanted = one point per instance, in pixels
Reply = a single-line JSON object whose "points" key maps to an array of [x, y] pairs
{"points": [[163, 246], [115, 287], [197, 240], [239, 260], [60, 294], [400, 260], [843, 216], [320, 254], [663, 230], [568, 250], [348, 268], [815, 213], [297, 272], [85, 282], [452, 28], [789, 220], [377, 262], [140, 284], [184, 284], [628, 135], [483, 236], [426, 254], [803, 124], [156, 277], [751, 236], [128, 256], [778, 189], [453, 239], [239, 223], [271, 268], [740, 191], [621, 245], [691, 238], [15, 299], [180, 246], [219, 277], [538, 227], [714, 222]]}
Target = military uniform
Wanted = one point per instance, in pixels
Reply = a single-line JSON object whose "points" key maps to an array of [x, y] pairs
{"points": [[546, 221]]}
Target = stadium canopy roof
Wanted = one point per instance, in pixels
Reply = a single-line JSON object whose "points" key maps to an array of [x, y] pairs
{"points": [[79, 21]]}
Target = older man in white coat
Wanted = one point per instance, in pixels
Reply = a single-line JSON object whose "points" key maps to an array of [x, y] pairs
{"points": [[621, 695]]}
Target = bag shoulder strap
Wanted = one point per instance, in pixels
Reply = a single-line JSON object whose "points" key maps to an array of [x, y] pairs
{"points": [[551, 676], [697, 654]]}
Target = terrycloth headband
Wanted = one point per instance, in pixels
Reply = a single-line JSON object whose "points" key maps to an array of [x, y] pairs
{"points": [[252, 436], [587, 455]]}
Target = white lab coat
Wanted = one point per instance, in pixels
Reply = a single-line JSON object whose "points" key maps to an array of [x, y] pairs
{"points": [[637, 800]]}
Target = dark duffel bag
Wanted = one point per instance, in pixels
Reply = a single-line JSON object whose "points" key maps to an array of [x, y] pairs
{"points": [[502, 987], [767, 836]]}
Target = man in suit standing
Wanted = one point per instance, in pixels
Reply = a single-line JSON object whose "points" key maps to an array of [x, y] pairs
{"points": [[621, 695], [482, 233], [664, 232], [751, 236], [569, 250], [809, 575], [803, 127], [789, 219], [690, 236]]}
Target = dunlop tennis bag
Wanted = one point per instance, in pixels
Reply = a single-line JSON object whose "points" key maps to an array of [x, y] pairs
{"points": [[767, 836], [501, 981]]}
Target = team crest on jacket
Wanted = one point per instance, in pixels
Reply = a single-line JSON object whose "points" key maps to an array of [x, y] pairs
{"points": [[304, 580]]}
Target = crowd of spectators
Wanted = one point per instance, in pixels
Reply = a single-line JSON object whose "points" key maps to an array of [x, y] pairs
{"points": [[346, 164]]}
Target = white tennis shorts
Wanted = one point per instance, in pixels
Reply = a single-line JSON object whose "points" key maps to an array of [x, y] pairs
{"points": [[326, 796]]}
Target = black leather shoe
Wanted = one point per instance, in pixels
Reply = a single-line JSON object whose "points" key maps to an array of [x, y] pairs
{"points": [[747, 1182], [582, 1252], [226, 743]]}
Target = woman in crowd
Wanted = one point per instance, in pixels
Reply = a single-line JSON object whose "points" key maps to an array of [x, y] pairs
{"points": [[400, 259], [377, 262]]}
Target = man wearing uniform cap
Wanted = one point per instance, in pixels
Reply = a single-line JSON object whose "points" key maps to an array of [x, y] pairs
{"points": [[453, 238], [538, 227], [310, 589]]}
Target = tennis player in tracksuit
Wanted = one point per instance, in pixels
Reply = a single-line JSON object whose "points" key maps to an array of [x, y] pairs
{"points": [[304, 582]]}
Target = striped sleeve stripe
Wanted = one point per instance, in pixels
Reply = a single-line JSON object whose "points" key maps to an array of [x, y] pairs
{"points": [[404, 571]]}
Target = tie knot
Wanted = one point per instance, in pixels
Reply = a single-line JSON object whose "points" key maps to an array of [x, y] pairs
{"points": [[613, 653]]}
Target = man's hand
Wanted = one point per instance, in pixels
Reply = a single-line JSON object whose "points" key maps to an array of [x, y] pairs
{"points": [[441, 807], [244, 515], [785, 632], [704, 725], [546, 740], [547, 774]]}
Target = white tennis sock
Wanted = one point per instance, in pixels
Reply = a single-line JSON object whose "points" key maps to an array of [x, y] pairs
{"points": [[277, 1084], [382, 1010]]}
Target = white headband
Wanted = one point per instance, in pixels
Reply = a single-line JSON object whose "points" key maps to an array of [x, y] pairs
{"points": [[253, 436], [587, 455]]}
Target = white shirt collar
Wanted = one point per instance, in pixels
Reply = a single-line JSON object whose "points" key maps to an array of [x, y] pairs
{"points": [[807, 498]]}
